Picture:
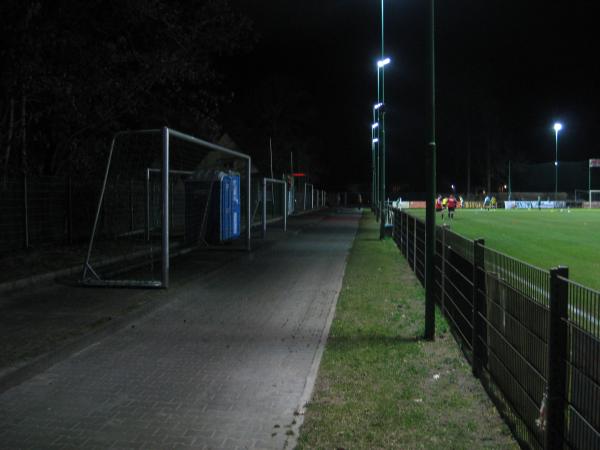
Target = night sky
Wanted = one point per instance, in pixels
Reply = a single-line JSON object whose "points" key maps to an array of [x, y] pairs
{"points": [[506, 71]]}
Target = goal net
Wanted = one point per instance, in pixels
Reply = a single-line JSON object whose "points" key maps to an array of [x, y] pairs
{"points": [[165, 193]]}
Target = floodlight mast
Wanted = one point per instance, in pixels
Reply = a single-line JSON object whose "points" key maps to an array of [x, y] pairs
{"points": [[381, 113], [374, 141], [376, 159], [431, 192], [557, 127]]}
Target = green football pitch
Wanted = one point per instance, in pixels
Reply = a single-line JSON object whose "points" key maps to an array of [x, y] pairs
{"points": [[544, 238]]}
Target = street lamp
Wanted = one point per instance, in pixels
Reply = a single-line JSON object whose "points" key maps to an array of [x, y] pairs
{"points": [[375, 141], [375, 125], [557, 127]]}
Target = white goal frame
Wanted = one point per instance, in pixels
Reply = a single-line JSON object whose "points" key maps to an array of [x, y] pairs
{"points": [[90, 277], [592, 191], [273, 181], [312, 192]]}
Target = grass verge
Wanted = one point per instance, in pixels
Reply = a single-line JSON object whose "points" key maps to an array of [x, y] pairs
{"points": [[380, 386]]}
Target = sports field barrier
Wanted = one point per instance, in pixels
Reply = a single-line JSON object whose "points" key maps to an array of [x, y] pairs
{"points": [[532, 336]]}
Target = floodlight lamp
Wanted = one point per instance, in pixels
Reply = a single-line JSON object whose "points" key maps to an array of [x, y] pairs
{"points": [[375, 125], [556, 163], [378, 105], [557, 127], [375, 141], [383, 62]]}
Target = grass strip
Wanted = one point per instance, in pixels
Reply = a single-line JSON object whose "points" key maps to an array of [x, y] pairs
{"points": [[380, 386]]}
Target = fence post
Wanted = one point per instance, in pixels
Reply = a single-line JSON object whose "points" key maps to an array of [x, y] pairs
{"points": [[401, 230], [414, 244], [285, 206], [131, 218], [304, 201], [69, 210], [264, 211], [557, 356], [479, 310], [26, 210], [406, 239], [147, 204]]}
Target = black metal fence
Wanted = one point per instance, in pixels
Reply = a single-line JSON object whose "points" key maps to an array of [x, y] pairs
{"points": [[532, 336], [45, 210]]}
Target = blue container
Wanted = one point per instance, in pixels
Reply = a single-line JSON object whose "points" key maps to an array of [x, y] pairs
{"points": [[230, 213]]}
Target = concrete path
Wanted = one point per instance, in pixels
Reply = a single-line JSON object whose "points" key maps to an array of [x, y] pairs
{"points": [[228, 363]]}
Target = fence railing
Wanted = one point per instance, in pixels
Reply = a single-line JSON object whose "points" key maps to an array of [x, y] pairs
{"points": [[532, 336], [41, 210]]}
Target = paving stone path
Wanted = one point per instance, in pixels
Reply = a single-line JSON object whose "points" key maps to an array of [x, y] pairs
{"points": [[226, 364]]}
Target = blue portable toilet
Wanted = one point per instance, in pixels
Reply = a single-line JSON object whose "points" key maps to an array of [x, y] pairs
{"points": [[229, 206], [216, 194]]}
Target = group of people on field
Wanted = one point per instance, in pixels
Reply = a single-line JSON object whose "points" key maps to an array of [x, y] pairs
{"points": [[490, 202], [448, 204]]}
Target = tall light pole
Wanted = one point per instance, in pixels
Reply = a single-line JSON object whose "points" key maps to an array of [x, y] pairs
{"points": [[557, 127], [373, 167], [381, 100], [376, 147], [381, 66], [430, 205]]}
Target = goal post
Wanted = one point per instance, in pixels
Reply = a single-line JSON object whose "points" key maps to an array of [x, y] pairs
{"points": [[165, 193], [269, 186], [593, 164], [307, 187], [594, 198]]}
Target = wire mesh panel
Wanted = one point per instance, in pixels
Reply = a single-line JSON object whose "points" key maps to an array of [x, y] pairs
{"points": [[583, 367], [12, 220], [410, 242], [457, 284], [165, 193], [438, 266], [528, 279], [517, 326], [420, 250]]}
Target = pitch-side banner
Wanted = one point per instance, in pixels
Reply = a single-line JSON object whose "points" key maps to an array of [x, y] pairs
{"points": [[594, 163], [533, 204]]}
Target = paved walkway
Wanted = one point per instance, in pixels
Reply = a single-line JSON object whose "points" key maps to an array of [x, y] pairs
{"points": [[226, 364]]}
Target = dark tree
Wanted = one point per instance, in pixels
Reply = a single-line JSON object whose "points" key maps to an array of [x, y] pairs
{"points": [[74, 72]]}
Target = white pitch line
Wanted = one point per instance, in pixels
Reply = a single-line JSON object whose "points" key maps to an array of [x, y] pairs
{"points": [[546, 295]]}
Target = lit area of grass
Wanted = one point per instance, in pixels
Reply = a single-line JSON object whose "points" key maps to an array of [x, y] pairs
{"points": [[380, 386], [545, 238]]}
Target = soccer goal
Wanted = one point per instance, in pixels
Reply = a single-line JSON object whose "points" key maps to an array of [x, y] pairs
{"points": [[165, 193], [309, 196], [594, 198], [274, 203]]}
